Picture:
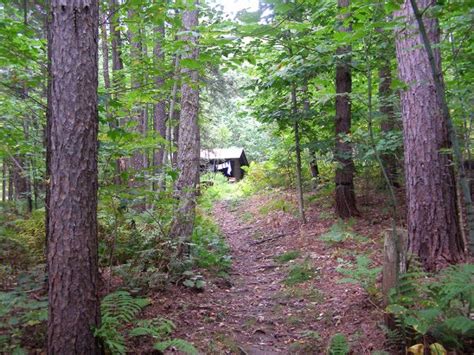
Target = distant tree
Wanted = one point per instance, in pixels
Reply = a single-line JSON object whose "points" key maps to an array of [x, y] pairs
{"points": [[72, 151], [345, 195], [188, 141], [434, 233]]}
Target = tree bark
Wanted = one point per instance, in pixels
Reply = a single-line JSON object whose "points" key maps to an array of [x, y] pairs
{"points": [[434, 233], [299, 183], [345, 195], [4, 180], [21, 181], [72, 235], [188, 144]]}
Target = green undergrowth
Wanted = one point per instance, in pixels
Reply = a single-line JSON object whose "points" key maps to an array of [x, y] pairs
{"points": [[340, 232], [277, 205], [434, 308], [215, 187], [287, 256], [24, 312], [363, 273], [209, 249], [299, 273], [121, 320]]}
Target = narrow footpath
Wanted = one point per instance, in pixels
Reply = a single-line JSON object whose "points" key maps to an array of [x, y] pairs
{"points": [[270, 305]]}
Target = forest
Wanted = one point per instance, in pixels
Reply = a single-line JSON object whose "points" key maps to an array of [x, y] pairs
{"points": [[237, 177]]}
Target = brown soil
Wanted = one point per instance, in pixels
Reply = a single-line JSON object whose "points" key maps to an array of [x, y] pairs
{"points": [[255, 312]]}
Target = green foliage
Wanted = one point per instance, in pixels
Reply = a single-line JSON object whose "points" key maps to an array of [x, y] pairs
{"points": [[338, 345], [178, 344], [340, 232], [31, 233], [287, 256], [194, 281], [363, 274], [299, 273], [438, 306], [209, 249], [216, 187], [117, 309], [337, 234], [158, 328], [21, 314], [275, 205]]}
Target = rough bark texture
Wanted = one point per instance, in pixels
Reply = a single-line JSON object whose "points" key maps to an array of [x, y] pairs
{"points": [[345, 195], [72, 237], [188, 144], [434, 233]]}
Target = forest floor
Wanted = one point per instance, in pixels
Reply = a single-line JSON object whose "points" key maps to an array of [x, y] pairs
{"points": [[283, 293]]}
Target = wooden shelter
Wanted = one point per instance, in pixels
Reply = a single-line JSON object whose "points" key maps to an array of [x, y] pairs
{"points": [[228, 161]]}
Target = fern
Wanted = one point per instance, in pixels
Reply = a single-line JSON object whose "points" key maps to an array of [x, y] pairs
{"points": [[338, 345], [118, 309], [178, 344], [156, 328], [362, 274], [438, 306], [122, 306]]}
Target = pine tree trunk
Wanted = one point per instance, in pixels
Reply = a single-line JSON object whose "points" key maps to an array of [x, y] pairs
{"points": [[434, 234], [72, 234], [188, 144], [345, 195]]}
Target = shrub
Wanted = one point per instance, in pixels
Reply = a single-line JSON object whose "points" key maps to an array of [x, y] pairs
{"points": [[209, 249]]}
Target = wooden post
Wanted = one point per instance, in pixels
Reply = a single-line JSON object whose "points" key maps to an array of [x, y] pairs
{"points": [[394, 264]]}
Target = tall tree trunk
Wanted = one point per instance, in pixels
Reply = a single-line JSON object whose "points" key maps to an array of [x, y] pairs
{"points": [[72, 235], [21, 181], [299, 182], [434, 234], [188, 144], [159, 113], [10, 184], [313, 162], [345, 195], [4, 180], [388, 123], [138, 161], [174, 137]]}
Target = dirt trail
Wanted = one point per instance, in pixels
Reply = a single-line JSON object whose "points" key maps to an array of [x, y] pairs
{"points": [[256, 284], [255, 312]]}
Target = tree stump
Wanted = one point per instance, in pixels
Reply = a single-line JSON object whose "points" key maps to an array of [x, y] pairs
{"points": [[394, 264]]}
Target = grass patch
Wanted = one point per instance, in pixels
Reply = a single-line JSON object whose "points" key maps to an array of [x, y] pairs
{"points": [[287, 256], [299, 273], [279, 204]]}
